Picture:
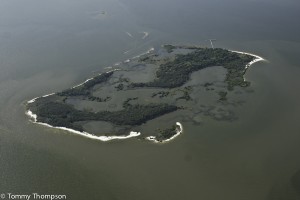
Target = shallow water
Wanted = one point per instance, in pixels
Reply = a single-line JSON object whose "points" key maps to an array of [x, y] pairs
{"points": [[49, 46]]}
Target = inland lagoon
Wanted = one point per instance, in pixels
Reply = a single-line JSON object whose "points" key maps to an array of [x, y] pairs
{"points": [[168, 88], [234, 131]]}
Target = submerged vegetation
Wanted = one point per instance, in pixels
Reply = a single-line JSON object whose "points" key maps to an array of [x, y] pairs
{"points": [[168, 86], [160, 94], [223, 96]]}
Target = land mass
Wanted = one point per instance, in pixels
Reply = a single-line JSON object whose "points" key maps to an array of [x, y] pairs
{"points": [[143, 89]]}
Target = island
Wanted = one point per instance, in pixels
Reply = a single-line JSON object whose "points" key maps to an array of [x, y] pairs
{"points": [[141, 94]]}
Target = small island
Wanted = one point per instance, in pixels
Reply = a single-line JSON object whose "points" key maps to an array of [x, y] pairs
{"points": [[120, 103]]}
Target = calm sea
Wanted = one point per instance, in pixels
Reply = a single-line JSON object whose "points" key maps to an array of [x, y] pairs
{"points": [[47, 46]]}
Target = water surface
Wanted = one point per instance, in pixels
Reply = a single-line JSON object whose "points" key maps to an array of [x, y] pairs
{"points": [[49, 46]]}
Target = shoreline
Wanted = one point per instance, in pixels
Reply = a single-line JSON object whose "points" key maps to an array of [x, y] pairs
{"points": [[113, 70], [132, 133], [257, 58], [33, 100], [84, 134], [178, 132], [145, 53]]}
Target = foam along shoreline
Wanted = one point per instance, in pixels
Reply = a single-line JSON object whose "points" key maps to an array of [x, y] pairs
{"points": [[89, 80], [257, 58], [117, 64], [142, 54], [84, 134], [47, 95], [132, 133], [33, 100], [178, 132], [33, 116]]}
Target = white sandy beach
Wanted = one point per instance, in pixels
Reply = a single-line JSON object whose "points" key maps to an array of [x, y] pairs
{"points": [[132, 133], [257, 58], [142, 54], [88, 80], [85, 134], [33, 116]]}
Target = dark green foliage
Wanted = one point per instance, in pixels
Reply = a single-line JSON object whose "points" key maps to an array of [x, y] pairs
{"points": [[136, 114], [170, 75], [65, 115], [78, 91], [58, 114], [98, 79], [144, 59], [176, 73], [83, 90], [169, 48], [167, 133]]}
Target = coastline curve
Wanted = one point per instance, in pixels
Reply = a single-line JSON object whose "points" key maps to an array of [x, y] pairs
{"points": [[132, 134]]}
